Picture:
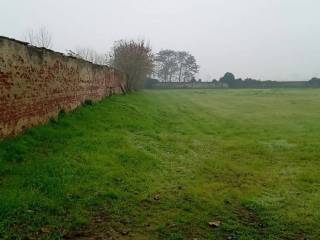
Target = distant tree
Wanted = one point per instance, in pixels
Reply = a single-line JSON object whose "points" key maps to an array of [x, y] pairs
{"points": [[175, 66], [249, 82], [182, 63], [229, 79], [90, 55], [166, 64], [193, 80], [191, 68], [39, 38], [232, 82], [314, 82], [135, 59]]}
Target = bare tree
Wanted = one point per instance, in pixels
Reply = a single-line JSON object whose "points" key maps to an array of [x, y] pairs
{"points": [[135, 59], [167, 64], [181, 57], [39, 38], [90, 55], [190, 68]]}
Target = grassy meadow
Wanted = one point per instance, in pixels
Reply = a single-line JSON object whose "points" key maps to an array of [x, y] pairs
{"points": [[163, 164]]}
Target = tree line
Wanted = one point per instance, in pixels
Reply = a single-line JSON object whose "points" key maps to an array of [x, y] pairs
{"points": [[134, 58], [233, 82], [143, 68]]}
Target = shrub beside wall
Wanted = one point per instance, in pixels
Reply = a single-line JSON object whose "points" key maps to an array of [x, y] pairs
{"points": [[36, 84]]}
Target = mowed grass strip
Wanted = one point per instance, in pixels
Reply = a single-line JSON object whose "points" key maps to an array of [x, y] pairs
{"points": [[162, 164]]}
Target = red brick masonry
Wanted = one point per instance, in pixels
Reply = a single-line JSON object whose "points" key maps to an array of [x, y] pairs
{"points": [[37, 83]]}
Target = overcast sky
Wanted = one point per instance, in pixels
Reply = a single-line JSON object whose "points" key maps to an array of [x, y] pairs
{"points": [[264, 39]]}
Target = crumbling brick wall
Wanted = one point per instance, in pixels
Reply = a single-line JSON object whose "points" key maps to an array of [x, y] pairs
{"points": [[37, 83]]}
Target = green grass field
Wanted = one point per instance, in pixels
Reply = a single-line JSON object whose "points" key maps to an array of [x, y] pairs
{"points": [[162, 164]]}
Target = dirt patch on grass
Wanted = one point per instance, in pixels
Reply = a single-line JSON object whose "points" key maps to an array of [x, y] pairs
{"points": [[97, 229], [249, 218], [104, 228]]}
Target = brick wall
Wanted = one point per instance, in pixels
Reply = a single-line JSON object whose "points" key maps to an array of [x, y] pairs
{"points": [[36, 84]]}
